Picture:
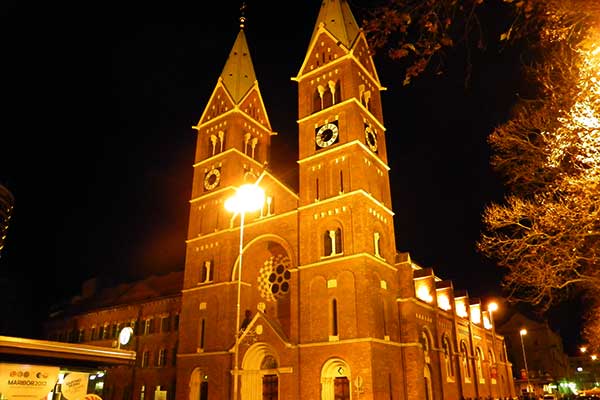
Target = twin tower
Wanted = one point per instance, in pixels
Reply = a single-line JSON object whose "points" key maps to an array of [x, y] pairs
{"points": [[326, 307]]}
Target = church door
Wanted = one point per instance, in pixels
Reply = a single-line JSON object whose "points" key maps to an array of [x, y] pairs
{"points": [[270, 387], [341, 388]]}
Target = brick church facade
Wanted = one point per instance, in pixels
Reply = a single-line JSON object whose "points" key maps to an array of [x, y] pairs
{"points": [[328, 309]]}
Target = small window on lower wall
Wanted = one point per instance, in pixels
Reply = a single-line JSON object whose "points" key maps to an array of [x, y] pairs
{"points": [[202, 329], [333, 320]]}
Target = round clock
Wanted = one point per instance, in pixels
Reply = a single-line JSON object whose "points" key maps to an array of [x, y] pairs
{"points": [[125, 335], [327, 135], [212, 179], [371, 138]]}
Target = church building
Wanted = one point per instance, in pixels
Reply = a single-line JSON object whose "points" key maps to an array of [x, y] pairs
{"points": [[307, 297]]}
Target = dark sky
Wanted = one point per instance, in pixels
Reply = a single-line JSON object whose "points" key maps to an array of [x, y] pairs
{"points": [[97, 144]]}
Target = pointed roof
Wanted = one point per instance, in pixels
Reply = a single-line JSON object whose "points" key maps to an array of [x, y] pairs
{"points": [[238, 74], [338, 20]]}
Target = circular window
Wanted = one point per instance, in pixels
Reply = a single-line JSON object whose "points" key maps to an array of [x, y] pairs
{"points": [[273, 278]]}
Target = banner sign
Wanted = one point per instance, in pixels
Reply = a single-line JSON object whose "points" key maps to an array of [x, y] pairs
{"points": [[22, 382], [74, 386]]}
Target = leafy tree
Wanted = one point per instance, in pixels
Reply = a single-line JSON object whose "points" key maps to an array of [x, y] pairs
{"points": [[419, 32], [546, 234]]}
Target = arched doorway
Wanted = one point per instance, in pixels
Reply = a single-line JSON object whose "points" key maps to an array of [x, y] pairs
{"points": [[335, 380], [198, 385], [260, 376]]}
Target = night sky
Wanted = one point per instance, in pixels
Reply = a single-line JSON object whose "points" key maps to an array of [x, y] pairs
{"points": [[96, 141]]}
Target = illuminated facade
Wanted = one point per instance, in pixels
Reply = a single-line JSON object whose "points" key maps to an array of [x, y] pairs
{"points": [[330, 309], [541, 349]]}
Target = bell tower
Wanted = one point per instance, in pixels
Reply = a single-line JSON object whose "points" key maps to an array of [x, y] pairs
{"points": [[347, 276], [234, 140], [344, 181]]}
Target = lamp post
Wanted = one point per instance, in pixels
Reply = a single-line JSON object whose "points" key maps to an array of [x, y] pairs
{"points": [[522, 333], [247, 198], [493, 306]]}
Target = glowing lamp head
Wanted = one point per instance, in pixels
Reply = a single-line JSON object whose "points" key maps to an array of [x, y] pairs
{"points": [[583, 349], [247, 198], [493, 306], [523, 332], [594, 357]]}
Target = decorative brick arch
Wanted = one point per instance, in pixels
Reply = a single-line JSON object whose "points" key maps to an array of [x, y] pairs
{"points": [[197, 381], [264, 239], [260, 359], [332, 369]]}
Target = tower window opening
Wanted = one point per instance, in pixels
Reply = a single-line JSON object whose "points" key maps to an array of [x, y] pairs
{"points": [[334, 318], [206, 272], [332, 242], [317, 197], [202, 333], [376, 243]]}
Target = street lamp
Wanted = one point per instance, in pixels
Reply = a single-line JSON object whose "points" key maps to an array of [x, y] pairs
{"points": [[247, 198], [493, 306], [522, 333]]}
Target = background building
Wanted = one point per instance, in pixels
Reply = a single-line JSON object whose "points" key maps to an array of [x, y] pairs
{"points": [[330, 308], [540, 348]]}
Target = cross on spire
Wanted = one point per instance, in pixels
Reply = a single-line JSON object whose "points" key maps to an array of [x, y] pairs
{"points": [[242, 16]]}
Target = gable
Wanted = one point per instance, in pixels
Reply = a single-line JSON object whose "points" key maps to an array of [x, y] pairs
{"points": [[220, 102], [323, 50], [253, 106], [362, 55]]}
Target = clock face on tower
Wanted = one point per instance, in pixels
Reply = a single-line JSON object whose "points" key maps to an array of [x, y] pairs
{"points": [[212, 179], [327, 134], [371, 138]]}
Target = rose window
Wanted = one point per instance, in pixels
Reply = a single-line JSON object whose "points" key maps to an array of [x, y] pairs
{"points": [[274, 278]]}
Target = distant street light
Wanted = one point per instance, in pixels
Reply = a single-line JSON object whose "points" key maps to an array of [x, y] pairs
{"points": [[522, 333], [583, 349], [247, 198]]}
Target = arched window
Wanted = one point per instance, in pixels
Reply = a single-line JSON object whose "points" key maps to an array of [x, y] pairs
{"points": [[316, 100], [328, 97], [338, 241], [449, 366], [479, 364], [426, 346], [376, 244], [206, 272], [493, 371], [464, 360], [428, 389], [332, 242]]}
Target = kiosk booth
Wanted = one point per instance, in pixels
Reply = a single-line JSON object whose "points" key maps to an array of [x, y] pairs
{"points": [[41, 369]]}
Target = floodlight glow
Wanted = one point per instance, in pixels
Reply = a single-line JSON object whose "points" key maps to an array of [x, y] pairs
{"points": [[247, 198]]}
